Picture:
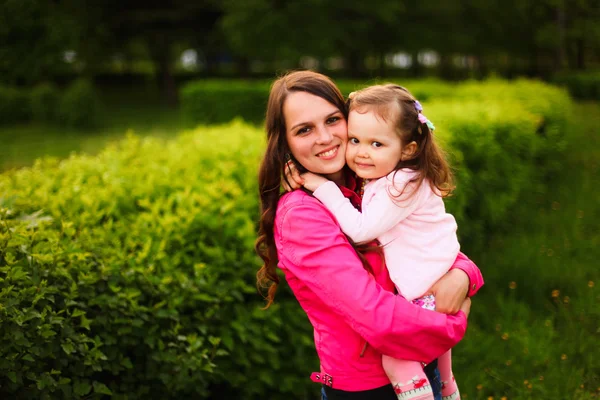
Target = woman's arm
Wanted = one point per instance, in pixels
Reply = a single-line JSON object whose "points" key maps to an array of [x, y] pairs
{"points": [[464, 279], [315, 250]]}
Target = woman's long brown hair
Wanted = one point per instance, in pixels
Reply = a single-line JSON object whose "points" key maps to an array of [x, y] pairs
{"points": [[271, 169]]}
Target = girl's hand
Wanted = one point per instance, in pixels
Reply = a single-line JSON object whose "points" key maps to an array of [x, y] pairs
{"points": [[450, 292], [292, 179], [313, 181]]}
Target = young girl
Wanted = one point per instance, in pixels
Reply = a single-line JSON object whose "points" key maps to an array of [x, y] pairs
{"points": [[391, 147]]}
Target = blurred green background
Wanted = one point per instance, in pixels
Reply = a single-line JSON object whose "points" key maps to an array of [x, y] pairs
{"points": [[128, 199]]}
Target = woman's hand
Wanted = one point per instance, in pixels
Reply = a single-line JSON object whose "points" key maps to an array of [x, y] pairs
{"points": [[292, 180], [313, 181], [450, 292], [466, 306]]}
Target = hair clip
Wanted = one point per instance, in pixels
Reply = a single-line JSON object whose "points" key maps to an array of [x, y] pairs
{"points": [[418, 106], [423, 119]]}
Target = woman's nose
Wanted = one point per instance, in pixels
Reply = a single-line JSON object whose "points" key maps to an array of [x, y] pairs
{"points": [[324, 136]]}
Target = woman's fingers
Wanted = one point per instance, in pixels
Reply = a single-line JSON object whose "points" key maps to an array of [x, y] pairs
{"points": [[292, 180], [450, 291], [466, 306]]}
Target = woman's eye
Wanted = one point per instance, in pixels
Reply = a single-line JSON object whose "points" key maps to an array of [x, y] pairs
{"points": [[302, 130], [332, 120], [377, 144], [354, 140]]}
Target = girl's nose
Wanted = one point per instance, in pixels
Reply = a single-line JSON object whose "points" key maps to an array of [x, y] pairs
{"points": [[362, 152]]}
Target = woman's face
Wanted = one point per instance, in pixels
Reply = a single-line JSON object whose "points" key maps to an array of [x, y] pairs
{"points": [[316, 133]]}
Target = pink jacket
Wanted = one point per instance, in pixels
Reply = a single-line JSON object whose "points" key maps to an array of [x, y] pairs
{"points": [[418, 235], [346, 305]]}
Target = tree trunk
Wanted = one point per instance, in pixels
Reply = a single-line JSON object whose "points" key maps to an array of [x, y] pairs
{"points": [[561, 25], [160, 49], [382, 66], [580, 51], [242, 66], [415, 67], [446, 69], [354, 64]]}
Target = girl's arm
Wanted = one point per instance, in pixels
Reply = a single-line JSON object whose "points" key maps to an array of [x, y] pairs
{"points": [[380, 215], [314, 249]]}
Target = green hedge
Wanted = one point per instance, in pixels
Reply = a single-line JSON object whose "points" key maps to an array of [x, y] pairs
{"points": [[80, 105], [77, 106], [45, 99], [492, 148], [14, 105], [211, 102], [132, 272], [582, 85], [118, 270]]}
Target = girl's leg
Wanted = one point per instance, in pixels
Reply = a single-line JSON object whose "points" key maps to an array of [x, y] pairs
{"points": [[449, 387], [408, 379]]}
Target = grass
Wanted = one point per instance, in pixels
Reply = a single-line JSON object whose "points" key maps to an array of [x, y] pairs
{"points": [[536, 324]]}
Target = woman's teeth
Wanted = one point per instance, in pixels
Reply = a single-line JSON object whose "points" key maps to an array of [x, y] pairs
{"points": [[327, 153]]}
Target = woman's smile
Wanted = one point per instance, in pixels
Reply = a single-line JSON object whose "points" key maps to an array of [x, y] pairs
{"points": [[329, 154]]}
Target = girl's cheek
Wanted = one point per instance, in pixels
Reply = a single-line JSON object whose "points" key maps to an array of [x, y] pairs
{"points": [[349, 152]]}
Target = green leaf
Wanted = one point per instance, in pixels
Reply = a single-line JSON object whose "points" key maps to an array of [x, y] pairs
{"points": [[12, 375], [101, 388], [126, 362], [85, 323], [77, 312], [64, 381], [82, 387], [68, 347]]}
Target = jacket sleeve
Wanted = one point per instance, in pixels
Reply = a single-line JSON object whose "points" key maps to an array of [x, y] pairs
{"points": [[315, 250], [463, 263], [380, 215]]}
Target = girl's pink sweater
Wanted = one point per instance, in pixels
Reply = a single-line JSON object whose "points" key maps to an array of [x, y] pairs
{"points": [[348, 306]]}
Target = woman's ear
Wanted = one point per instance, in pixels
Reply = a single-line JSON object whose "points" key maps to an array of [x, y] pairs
{"points": [[409, 151]]}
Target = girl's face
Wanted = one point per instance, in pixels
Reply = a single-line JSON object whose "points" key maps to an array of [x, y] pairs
{"points": [[374, 148], [316, 133]]}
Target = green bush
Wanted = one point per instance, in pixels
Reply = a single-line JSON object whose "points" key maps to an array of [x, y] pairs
{"points": [[80, 105], [14, 105], [552, 104], [44, 102], [492, 147], [123, 269], [582, 85], [210, 102]]}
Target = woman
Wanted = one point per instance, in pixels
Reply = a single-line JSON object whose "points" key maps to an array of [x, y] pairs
{"points": [[347, 296]]}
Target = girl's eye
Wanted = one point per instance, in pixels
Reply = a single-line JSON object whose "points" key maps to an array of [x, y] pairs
{"points": [[301, 131], [377, 144], [353, 140]]}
